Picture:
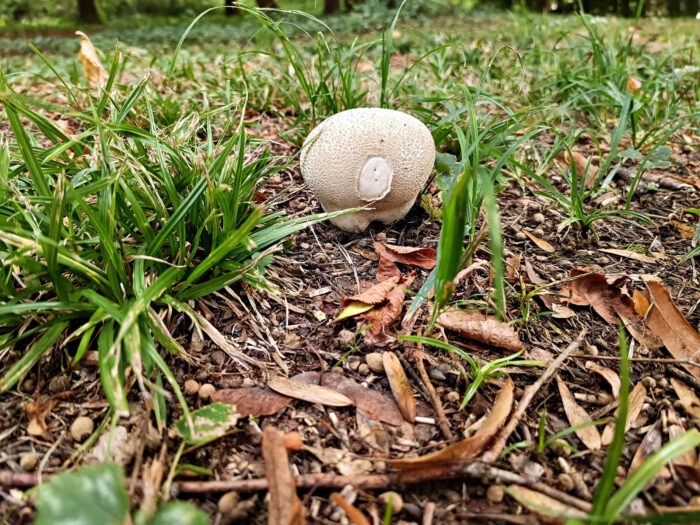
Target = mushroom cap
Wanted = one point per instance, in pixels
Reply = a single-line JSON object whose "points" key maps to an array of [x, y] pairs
{"points": [[379, 158]]}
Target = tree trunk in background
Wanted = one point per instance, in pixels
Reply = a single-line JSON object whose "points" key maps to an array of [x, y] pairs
{"points": [[231, 8], [87, 12], [331, 6], [267, 3]]}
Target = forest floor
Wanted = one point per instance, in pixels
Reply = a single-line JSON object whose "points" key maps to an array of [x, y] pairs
{"points": [[509, 469]]}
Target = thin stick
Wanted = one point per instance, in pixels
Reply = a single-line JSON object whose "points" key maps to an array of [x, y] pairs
{"points": [[492, 454], [662, 360], [437, 405]]}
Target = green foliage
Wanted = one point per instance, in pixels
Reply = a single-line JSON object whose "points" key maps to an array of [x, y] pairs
{"points": [[209, 423]]}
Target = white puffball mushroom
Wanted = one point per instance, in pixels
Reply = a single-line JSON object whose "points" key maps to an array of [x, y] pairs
{"points": [[379, 158]]}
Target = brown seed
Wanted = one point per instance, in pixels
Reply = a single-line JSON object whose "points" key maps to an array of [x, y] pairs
{"points": [[381, 236], [539, 218], [228, 502], [566, 481], [205, 391], [495, 493], [191, 387], [363, 369], [452, 396], [375, 362], [520, 236], [81, 428], [28, 461], [396, 500]]}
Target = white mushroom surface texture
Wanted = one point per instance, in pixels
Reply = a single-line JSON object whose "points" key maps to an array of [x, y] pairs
{"points": [[371, 157]]}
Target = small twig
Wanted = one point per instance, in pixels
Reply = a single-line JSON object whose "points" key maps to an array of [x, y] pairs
{"points": [[684, 376], [409, 369], [437, 405], [661, 360], [492, 454]]}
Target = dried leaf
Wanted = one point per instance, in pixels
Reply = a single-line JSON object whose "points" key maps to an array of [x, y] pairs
{"points": [[577, 415], [284, 506], [513, 268], [687, 460], [377, 294], [400, 387], [308, 392], [606, 297], [650, 444], [606, 373], [560, 310], [483, 328], [370, 403], [95, 73], [352, 309], [630, 255], [354, 515], [541, 243], [686, 231], [389, 255], [667, 322], [689, 400], [580, 162], [532, 274], [253, 401], [542, 504], [470, 447], [636, 401], [633, 85], [36, 414]]}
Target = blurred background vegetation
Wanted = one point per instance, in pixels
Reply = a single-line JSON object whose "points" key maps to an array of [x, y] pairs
{"points": [[19, 14]]}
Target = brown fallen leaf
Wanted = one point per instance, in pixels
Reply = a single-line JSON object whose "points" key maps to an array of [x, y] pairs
{"points": [[689, 400], [636, 401], [630, 255], [470, 447], [561, 311], [308, 392], [95, 73], [370, 403], [253, 401], [576, 415], [483, 328], [541, 243], [633, 85], [580, 162], [532, 274], [588, 288], [606, 373], [513, 268], [650, 444], [686, 231], [389, 255], [354, 515], [669, 324], [687, 460], [36, 413], [543, 505], [400, 387], [284, 506]]}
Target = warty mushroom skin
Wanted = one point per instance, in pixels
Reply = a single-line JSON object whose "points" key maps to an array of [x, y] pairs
{"points": [[379, 158]]}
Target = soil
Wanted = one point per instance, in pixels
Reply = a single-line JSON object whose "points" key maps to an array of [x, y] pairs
{"points": [[292, 332]]}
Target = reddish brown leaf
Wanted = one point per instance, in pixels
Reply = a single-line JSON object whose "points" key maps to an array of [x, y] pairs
{"points": [[308, 392], [532, 274], [470, 447], [284, 506], [376, 294], [253, 401], [354, 515], [370, 403], [577, 415], [483, 328], [400, 387], [605, 296], [36, 414], [389, 255], [668, 323]]}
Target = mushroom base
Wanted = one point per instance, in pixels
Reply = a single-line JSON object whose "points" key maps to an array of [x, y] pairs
{"points": [[360, 220]]}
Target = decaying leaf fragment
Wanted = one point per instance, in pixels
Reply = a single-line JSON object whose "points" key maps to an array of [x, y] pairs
{"points": [[689, 400], [285, 506], [483, 328], [470, 447], [581, 163], [400, 387], [650, 444], [95, 73], [577, 415], [605, 296], [390, 254], [636, 401], [541, 243], [606, 373], [253, 401]]}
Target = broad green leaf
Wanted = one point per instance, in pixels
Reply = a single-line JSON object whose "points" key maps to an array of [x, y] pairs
{"points": [[179, 512], [210, 422]]}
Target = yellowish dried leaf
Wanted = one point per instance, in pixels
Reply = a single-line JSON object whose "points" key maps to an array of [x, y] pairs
{"points": [[95, 73], [636, 401], [400, 387], [308, 393], [577, 415], [541, 243]]}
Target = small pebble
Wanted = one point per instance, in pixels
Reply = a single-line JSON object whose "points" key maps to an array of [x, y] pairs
{"points": [[452, 396], [437, 375], [228, 502], [603, 260], [520, 236], [412, 512], [539, 218], [81, 428], [381, 236], [495, 493], [346, 337], [375, 362], [662, 382], [218, 357], [28, 461], [247, 382], [566, 482], [206, 391], [396, 500], [59, 384], [354, 362], [337, 370], [539, 232], [561, 448], [191, 387], [649, 382], [363, 369]]}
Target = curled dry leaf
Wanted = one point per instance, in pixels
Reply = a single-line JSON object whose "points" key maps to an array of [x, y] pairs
{"points": [[354, 515], [483, 328], [400, 387], [577, 415], [470, 447], [668, 323], [606, 373], [650, 444], [689, 400], [687, 460], [308, 392], [541, 243], [95, 73], [370, 403], [553, 302], [636, 401], [253, 401], [284, 506], [580, 162], [389, 255], [543, 505], [513, 268], [36, 414], [605, 296]]}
